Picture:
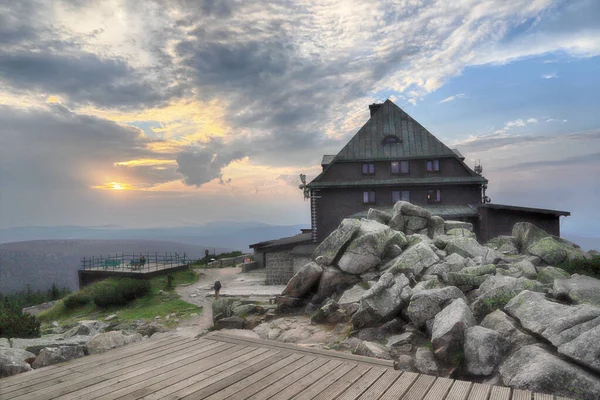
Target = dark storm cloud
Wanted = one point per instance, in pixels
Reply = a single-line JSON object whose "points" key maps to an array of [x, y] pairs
{"points": [[201, 166], [59, 149]]}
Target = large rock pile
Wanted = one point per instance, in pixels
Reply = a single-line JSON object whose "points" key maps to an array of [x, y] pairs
{"points": [[501, 311]]}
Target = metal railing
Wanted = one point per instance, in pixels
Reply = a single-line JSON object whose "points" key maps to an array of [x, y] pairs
{"points": [[136, 262]]}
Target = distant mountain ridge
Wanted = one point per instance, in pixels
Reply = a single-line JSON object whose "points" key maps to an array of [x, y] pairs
{"points": [[40, 256]]}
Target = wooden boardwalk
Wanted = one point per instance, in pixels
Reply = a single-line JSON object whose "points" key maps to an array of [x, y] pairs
{"points": [[221, 366]]}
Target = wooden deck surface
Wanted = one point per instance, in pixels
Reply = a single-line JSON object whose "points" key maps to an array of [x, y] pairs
{"points": [[221, 366]]}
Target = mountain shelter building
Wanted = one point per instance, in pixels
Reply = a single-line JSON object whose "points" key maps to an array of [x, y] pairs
{"points": [[391, 158]]}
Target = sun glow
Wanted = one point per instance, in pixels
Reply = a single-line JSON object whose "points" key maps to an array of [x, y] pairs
{"points": [[115, 186]]}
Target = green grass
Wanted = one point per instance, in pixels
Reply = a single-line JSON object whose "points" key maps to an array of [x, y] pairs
{"points": [[160, 301], [589, 267]]}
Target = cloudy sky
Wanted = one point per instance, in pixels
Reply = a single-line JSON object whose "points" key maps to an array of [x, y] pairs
{"points": [[143, 114]]}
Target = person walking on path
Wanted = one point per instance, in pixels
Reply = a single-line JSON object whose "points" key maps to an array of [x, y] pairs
{"points": [[217, 288]]}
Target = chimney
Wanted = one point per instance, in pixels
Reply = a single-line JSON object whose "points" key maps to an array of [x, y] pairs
{"points": [[374, 107]]}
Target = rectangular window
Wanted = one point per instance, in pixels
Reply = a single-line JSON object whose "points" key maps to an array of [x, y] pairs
{"points": [[368, 169], [398, 195], [433, 165], [399, 167], [369, 197], [434, 196]]}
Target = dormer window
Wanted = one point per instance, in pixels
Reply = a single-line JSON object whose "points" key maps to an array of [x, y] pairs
{"points": [[391, 139]]}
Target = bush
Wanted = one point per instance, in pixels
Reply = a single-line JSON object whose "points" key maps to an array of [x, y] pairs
{"points": [[13, 324], [76, 300], [120, 292], [589, 267]]}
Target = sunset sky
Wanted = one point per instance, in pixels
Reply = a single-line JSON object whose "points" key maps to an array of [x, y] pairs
{"points": [[145, 114]]}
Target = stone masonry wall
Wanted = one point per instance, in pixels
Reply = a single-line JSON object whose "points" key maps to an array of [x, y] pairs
{"points": [[279, 268]]}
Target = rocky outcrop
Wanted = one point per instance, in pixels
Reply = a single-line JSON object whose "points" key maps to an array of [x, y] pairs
{"points": [[382, 301], [449, 327], [579, 289], [110, 340], [425, 305], [303, 281], [55, 355], [413, 260], [333, 280], [484, 349], [367, 249], [533, 368], [13, 361], [328, 250]]}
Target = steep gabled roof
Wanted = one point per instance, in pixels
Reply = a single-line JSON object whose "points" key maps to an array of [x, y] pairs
{"points": [[390, 120]]}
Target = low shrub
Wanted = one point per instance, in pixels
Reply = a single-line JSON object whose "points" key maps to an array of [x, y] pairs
{"points": [[589, 267], [13, 324], [120, 292], [76, 300]]}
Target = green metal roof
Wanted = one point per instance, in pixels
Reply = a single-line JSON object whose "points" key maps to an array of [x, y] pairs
{"points": [[438, 180], [391, 120], [443, 210]]}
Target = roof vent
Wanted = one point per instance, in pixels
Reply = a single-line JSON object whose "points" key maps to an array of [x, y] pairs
{"points": [[374, 107]]}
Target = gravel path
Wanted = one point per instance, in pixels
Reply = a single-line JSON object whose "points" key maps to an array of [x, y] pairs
{"points": [[234, 283]]}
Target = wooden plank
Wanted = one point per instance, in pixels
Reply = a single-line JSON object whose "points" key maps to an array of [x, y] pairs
{"points": [[500, 393], [479, 392], [142, 371], [43, 373], [383, 383], [272, 378], [401, 386], [542, 396], [244, 383], [91, 377], [343, 383], [361, 385], [324, 383], [181, 377], [519, 394], [460, 390], [287, 346], [440, 388], [205, 388], [421, 386], [307, 380], [281, 384]]}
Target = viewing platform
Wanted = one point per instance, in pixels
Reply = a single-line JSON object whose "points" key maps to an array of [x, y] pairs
{"points": [[223, 366], [130, 265]]}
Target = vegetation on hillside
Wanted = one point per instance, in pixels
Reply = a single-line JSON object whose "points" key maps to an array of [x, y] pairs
{"points": [[129, 299], [589, 267]]}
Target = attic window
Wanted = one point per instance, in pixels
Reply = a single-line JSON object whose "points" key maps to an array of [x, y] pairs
{"points": [[390, 139]]}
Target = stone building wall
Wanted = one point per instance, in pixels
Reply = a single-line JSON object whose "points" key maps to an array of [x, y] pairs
{"points": [[279, 267]]}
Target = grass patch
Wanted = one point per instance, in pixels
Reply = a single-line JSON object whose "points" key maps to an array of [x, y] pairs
{"points": [[589, 267], [160, 300]]}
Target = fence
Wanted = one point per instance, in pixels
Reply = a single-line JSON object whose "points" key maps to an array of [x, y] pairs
{"points": [[142, 262]]}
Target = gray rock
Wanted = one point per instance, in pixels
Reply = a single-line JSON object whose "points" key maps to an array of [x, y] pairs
{"points": [[405, 363], [55, 355], [36, 345], [366, 250], [435, 227], [503, 241], [102, 342], [461, 232], [425, 362], [351, 296], [393, 326], [580, 289], [486, 269], [12, 361], [380, 216], [86, 328], [333, 281], [553, 251], [401, 340], [382, 301], [449, 326], [508, 328], [330, 313], [497, 291], [449, 225], [233, 322], [4, 343], [412, 210], [370, 349], [465, 282], [484, 349], [302, 282], [526, 234], [548, 274], [469, 247], [247, 309], [151, 328], [428, 284], [330, 248], [527, 268], [535, 369], [572, 329], [455, 262], [425, 305], [413, 260], [371, 334], [414, 224]]}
